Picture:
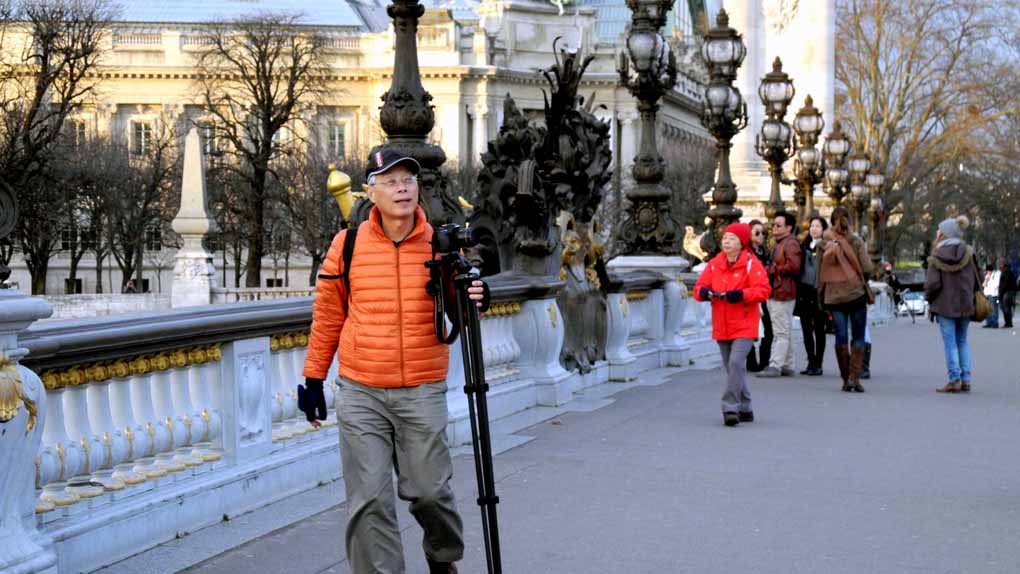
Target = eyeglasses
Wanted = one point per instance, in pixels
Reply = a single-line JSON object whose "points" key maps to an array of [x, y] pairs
{"points": [[778, 224], [393, 183], [758, 233]]}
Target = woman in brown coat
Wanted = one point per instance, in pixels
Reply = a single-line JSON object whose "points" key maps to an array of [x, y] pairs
{"points": [[949, 288], [843, 290]]}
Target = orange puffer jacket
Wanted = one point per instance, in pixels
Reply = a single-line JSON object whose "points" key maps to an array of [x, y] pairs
{"points": [[386, 338]]}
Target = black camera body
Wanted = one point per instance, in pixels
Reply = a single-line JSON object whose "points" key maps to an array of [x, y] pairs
{"points": [[452, 238]]}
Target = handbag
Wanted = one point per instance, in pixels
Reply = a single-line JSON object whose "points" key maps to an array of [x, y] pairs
{"points": [[982, 307]]}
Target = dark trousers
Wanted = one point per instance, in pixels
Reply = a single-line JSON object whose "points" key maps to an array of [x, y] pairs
{"points": [[759, 362], [1008, 305], [812, 323]]}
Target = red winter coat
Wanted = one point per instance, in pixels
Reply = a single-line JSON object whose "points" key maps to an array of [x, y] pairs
{"points": [[735, 320]]}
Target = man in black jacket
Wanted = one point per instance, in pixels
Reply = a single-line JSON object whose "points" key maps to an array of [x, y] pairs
{"points": [[1007, 292]]}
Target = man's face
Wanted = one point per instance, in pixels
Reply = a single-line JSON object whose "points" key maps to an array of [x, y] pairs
{"points": [[779, 227], [395, 192]]}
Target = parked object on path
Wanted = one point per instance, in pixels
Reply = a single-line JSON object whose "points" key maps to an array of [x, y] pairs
{"points": [[952, 283]]}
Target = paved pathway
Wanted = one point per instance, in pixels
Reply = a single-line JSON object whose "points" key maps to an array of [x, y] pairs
{"points": [[899, 479]]}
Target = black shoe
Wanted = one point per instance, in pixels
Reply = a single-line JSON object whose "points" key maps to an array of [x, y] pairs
{"points": [[815, 372], [731, 419], [865, 374], [747, 416]]}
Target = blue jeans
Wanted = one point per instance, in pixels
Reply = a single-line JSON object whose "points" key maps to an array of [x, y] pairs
{"points": [[954, 339], [856, 321], [993, 317]]}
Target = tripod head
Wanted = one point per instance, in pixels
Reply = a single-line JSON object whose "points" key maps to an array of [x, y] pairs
{"points": [[450, 273]]}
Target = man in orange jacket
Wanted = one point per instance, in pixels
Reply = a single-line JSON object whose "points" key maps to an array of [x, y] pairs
{"points": [[393, 371]]}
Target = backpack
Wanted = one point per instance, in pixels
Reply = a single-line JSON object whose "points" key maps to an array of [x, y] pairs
{"points": [[348, 255]]}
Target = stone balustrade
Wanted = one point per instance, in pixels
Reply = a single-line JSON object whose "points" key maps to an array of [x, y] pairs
{"points": [[155, 424], [242, 294]]}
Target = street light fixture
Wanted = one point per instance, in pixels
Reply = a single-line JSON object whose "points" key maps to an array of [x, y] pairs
{"points": [[648, 70], [724, 114], [875, 181], [859, 164], [835, 150], [808, 169], [774, 143]]}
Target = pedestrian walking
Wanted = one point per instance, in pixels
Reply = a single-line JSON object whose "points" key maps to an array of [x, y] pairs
{"points": [[991, 291], [812, 317], [757, 362], [949, 286], [844, 291], [393, 413], [784, 273], [1007, 293], [736, 283]]}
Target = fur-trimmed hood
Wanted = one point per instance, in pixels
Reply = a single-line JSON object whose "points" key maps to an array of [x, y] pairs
{"points": [[951, 256]]}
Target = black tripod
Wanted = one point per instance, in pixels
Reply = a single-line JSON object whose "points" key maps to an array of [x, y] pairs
{"points": [[453, 270]]}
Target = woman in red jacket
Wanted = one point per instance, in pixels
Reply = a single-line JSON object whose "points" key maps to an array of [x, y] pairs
{"points": [[736, 284]]}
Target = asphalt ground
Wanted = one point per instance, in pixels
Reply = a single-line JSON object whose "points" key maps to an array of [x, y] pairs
{"points": [[898, 479]]}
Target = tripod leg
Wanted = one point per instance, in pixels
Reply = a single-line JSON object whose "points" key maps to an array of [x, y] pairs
{"points": [[476, 388]]}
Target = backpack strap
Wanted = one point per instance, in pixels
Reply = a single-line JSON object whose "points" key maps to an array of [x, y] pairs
{"points": [[347, 256]]}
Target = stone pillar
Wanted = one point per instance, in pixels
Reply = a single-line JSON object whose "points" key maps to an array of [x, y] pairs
{"points": [[23, 549], [194, 274], [481, 135]]}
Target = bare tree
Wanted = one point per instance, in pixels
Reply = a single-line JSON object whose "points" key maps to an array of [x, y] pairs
{"points": [[49, 51], [253, 77], [314, 215], [147, 202], [915, 75]]}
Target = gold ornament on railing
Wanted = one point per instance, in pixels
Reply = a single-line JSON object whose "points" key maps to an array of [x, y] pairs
{"points": [[12, 394]]}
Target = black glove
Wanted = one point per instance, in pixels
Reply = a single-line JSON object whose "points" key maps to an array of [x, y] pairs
{"points": [[486, 298], [705, 293], [735, 296], [311, 400]]}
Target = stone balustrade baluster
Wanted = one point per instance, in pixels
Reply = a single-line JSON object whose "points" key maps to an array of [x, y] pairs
{"points": [[128, 421], [176, 457], [76, 423], [59, 457], [157, 438], [185, 412], [116, 445], [201, 386], [277, 372]]}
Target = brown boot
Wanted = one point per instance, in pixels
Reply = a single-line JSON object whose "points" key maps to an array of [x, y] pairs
{"points": [[843, 360], [953, 387], [964, 386], [856, 366]]}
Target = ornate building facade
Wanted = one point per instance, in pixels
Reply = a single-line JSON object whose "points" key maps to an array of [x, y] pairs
{"points": [[472, 54]]}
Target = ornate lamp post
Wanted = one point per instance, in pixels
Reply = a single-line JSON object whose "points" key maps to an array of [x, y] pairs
{"points": [[407, 117], [724, 115], [774, 143], [875, 181], [807, 167], [648, 70], [858, 164], [835, 150]]}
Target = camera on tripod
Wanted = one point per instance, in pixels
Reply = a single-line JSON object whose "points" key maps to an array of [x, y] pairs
{"points": [[452, 238]]}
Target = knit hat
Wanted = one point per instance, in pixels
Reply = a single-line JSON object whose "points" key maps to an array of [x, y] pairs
{"points": [[742, 231], [953, 227]]}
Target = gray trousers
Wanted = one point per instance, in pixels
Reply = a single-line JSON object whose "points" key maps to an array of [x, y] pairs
{"points": [[737, 397], [382, 430]]}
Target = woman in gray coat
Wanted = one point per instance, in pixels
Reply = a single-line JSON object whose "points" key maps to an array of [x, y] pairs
{"points": [[949, 288]]}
